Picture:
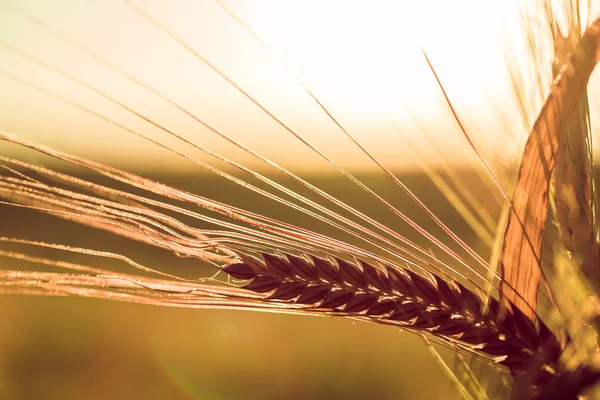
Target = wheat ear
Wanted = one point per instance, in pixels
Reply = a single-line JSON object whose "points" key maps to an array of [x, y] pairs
{"points": [[572, 178], [573, 195], [391, 295]]}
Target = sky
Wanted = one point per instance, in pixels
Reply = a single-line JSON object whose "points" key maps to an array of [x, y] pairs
{"points": [[70, 69]]}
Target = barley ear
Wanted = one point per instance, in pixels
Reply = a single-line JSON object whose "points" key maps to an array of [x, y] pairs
{"points": [[391, 295]]}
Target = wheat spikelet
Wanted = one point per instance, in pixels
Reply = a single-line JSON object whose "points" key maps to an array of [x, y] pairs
{"points": [[403, 297]]}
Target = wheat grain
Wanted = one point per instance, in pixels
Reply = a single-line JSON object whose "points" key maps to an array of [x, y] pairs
{"points": [[447, 310]]}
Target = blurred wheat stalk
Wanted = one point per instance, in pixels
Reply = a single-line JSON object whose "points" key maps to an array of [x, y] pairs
{"points": [[456, 299]]}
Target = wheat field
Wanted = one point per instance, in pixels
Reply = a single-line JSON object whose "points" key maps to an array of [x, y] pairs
{"points": [[180, 181]]}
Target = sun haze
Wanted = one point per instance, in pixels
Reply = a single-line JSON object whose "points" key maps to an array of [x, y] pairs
{"points": [[363, 61]]}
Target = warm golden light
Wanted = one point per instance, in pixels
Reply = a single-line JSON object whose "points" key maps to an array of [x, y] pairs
{"points": [[364, 61], [356, 159]]}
